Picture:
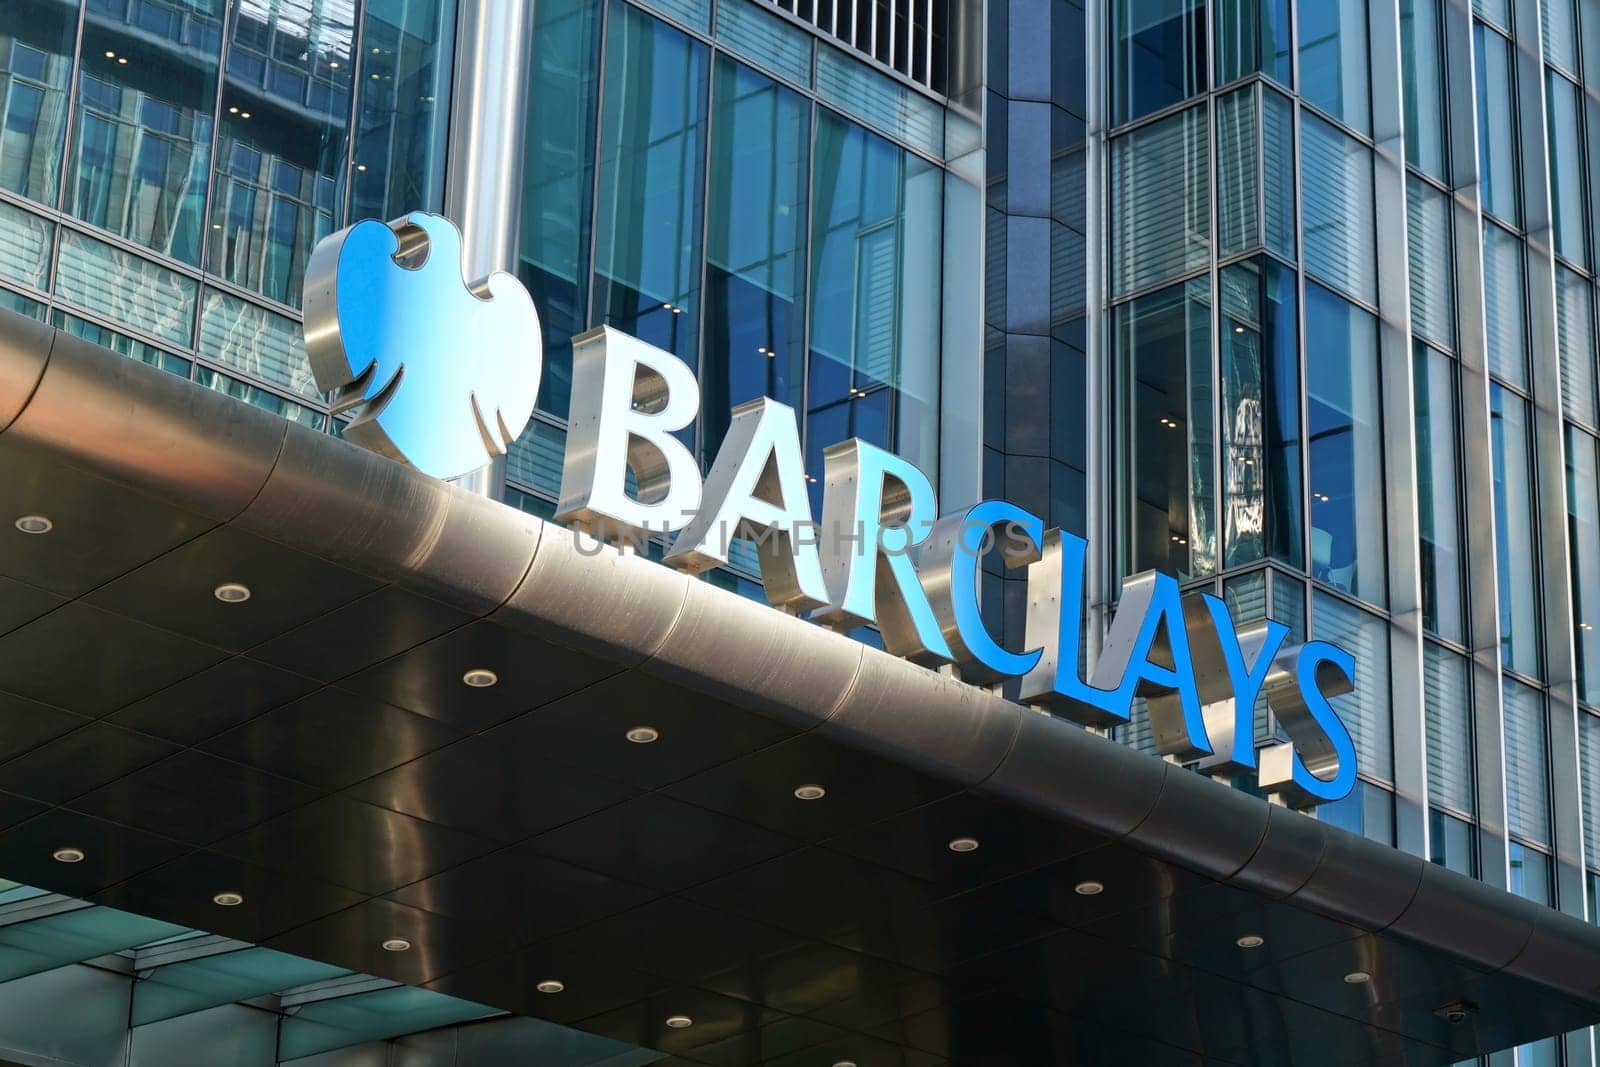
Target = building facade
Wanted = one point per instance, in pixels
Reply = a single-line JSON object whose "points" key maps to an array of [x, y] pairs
{"points": [[1294, 301]]}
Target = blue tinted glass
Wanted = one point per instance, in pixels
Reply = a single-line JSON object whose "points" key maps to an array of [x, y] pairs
{"points": [[652, 159], [557, 184], [1565, 110], [877, 221], [1158, 55], [283, 137], [1497, 135], [1514, 531], [128, 346], [1530, 878], [402, 107], [1438, 510], [142, 154], [1253, 35], [1583, 530], [1423, 85], [36, 43], [1450, 843], [1343, 427], [755, 309], [1333, 59]]}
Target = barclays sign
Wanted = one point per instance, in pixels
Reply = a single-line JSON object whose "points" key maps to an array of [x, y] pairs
{"points": [[443, 376]]}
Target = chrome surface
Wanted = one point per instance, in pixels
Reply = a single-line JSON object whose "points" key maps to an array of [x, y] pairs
{"points": [[315, 750]]}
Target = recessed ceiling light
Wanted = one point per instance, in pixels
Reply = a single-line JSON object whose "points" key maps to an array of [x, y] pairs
{"points": [[845, 1063], [396, 944], [228, 899], [35, 524], [1089, 889], [643, 735], [244, 114], [233, 111], [550, 985], [810, 792], [232, 592], [67, 855], [964, 844], [480, 678], [1251, 941], [362, 167], [1357, 978], [110, 54], [334, 65], [679, 1022], [123, 60]]}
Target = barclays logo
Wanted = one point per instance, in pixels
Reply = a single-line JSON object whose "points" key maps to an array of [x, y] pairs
{"points": [[439, 374]]}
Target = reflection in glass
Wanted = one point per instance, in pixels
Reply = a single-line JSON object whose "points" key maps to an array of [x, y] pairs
{"points": [[1341, 236], [401, 108], [1530, 879], [1253, 35], [877, 221], [1583, 530], [1575, 344], [652, 158], [1368, 811], [1333, 60], [1447, 692], [1423, 85], [117, 342], [1158, 55], [755, 311], [1163, 354], [1160, 201], [1505, 337], [25, 241], [1238, 165], [141, 153], [250, 338], [282, 143], [1589, 777], [1278, 171], [1497, 136], [258, 397], [22, 305], [1515, 552], [1565, 116], [1450, 843], [1343, 429], [1438, 507], [125, 288], [1366, 710], [35, 66], [557, 182], [1433, 304], [1260, 428]]}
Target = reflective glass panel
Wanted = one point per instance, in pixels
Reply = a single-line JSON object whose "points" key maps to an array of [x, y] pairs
{"points": [[1346, 442], [281, 151], [1238, 169], [256, 396], [253, 340], [1368, 811], [36, 44], [1160, 201], [1505, 336], [1433, 305], [1340, 227], [1589, 776], [1527, 790], [141, 154], [652, 165], [1333, 59], [1158, 55], [25, 241], [1366, 710], [402, 106], [1575, 344], [1278, 169], [876, 226], [1583, 530], [1163, 354], [755, 306], [1450, 843], [1260, 429], [1438, 505], [1514, 532], [117, 342], [1447, 700], [1497, 136], [1423, 85], [1559, 30], [1253, 35], [558, 183], [123, 288], [1564, 108], [22, 305]]}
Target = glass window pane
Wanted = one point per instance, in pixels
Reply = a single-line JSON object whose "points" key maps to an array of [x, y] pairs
{"points": [[256, 396], [1261, 474], [402, 111], [1238, 221], [876, 234], [1583, 530], [281, 150], [1447, 692], [124, 288], [880, 101], [1277, 137], [1163, 352], [1438, 483], [1343, 427], [1341, 232], [1433, 305], [142, 135], [1160, 201], [1565, 110], [117, 342], [696, 14], [1497, 11], [1366, 710], [1450, 843], [1506, 336], [35, 62], [1559, 30], [1527, 763], [1253, 35], [1423, 84], [1514, 532], [755, 307], [1158, 55], [535, 459], [751, 29], [557, 182], [652, 160], [255, 341], [1589, 775], [1575, 344], [25, 240], [1333, 60], [22, 305], [1497, 137]]}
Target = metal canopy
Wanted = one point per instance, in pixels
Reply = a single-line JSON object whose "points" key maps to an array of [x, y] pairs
{"points": [[315, 749]]}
